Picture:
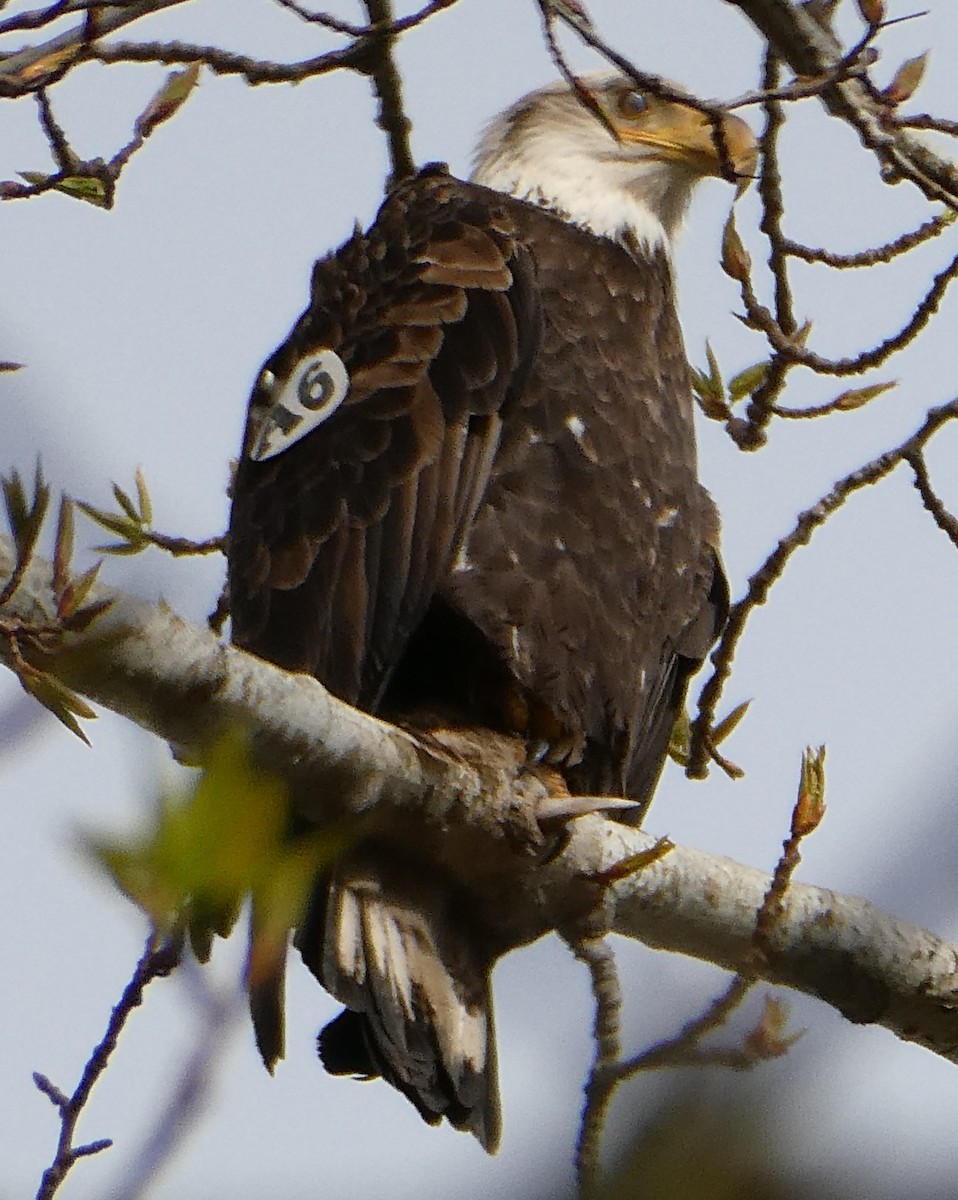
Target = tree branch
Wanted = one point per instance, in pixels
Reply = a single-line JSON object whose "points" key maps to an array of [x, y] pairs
{"points": [[761, 581], [36, 66], [810, 48], [387, 84], [157, 960], [180, 682]]}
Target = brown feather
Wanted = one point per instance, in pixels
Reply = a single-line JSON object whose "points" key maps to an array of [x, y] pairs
{"points": [[502, 525]]}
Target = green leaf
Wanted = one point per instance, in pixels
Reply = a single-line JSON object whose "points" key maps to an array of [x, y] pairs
{"points": [[715, 371], [729, 723], [680, 739], [168, 100], [735, 260], [25, 516], [63, 551], [858, 397], [143, 496], [810, 805], [81, 620], [709, 388], [58, 699], [747, 381], [89, 188], [75, 592], [907, 80], [126, 504], [113, 522], [226, 838], [120, 549]]}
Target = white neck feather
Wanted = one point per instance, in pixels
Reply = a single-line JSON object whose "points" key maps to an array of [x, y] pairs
{"points": [[548, 149]]}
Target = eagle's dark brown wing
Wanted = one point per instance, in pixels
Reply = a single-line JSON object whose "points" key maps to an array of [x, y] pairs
{"points": [[337, 547], [338, 543]]}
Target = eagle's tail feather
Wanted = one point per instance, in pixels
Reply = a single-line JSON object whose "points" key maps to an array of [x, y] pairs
{"points": [[417, 990]]}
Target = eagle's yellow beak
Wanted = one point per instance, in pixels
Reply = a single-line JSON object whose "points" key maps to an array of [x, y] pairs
{"points": [[678, 133]]}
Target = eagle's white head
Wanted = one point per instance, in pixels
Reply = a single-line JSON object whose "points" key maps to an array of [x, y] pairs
{"points": [[549, 149]]}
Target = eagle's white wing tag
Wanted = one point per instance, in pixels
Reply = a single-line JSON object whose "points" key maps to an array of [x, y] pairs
{"points": [[317, 387]]}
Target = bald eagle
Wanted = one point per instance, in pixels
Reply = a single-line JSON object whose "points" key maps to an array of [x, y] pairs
{"points": [[468, 493]]}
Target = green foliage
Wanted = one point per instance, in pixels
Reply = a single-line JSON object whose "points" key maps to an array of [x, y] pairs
{"points": [[681, 736], [226, 838], [30, 642], [131, 522], [25, 516], [91, 188], [58, 699], [94, 181]]}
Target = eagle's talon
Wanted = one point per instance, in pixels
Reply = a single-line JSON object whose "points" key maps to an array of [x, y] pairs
{"points": [[568, 751], [538, 752], [553, 808]]}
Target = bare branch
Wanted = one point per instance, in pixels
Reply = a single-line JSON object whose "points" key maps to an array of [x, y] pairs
{"points": [[37, 66], [926, 121], [597, 955], [760, 407], [157, 960], [387, 84], [757, 316], [389, 27], [810, 49], [63, 154], [40, 17], [945, 520], [685, 1048], [224, 62], [190, 1090], [932, 228], [770, 571], [177, 680]]}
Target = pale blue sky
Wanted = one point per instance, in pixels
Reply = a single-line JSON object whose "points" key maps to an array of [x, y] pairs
{"points": [[143, 329]]}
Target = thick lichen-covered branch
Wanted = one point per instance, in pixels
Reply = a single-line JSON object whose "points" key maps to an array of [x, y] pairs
{"points": [[179, 681]]}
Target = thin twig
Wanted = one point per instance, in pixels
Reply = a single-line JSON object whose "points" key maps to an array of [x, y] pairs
{"points": [[348, 29], [225, 62], [927, 121], [751, 434], [945, 520], [812, 50], [158, 959], [760, 583], [63, 154], [41, 17], [759, 317], [181, 547], [600, 1087], [191, 1090], [38, 66], [387, 84], [766, 1040], [885, 253]]}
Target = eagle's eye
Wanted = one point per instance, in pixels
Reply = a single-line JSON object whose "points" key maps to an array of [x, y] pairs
{"points": [[633, 103]]}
